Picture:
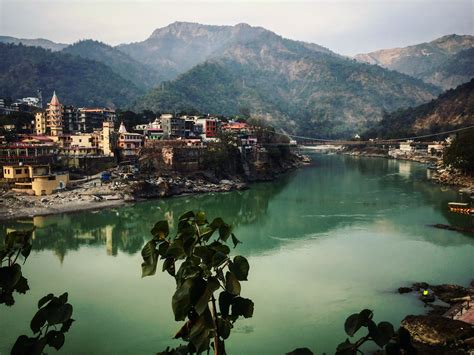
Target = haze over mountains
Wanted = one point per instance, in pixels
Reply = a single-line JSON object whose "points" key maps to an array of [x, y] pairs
{"points": [[301, 87]]}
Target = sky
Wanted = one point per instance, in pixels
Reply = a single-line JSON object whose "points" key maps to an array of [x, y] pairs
{"points": [[347, 27]]}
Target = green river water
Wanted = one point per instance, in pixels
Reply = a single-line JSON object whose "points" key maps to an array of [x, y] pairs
{"points": [[323, 242]]}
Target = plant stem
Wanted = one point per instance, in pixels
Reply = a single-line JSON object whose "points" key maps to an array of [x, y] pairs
{"points": [[214, 317]]}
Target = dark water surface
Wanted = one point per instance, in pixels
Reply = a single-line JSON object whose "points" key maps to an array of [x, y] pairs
{"points": [[323, 242]]}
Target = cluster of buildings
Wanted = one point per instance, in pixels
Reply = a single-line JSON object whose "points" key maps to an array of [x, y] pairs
{"points": [[61, 132]]}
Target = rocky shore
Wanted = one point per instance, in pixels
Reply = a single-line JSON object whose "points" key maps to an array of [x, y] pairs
{"points": [[94, 195], [448, 326]]}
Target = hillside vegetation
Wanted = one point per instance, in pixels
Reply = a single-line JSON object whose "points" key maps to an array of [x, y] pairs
{"points": [[451, 110], [77, 81]]}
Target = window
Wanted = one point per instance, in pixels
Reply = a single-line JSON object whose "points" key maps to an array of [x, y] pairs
{"points": [[17, 171]]}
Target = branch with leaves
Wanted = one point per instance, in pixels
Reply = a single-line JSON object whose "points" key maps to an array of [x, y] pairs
{"points": [[203, 267], [15, 244]]}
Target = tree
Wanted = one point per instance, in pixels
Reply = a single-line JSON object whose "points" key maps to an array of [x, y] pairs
{"points": [[460, 154], [204, 267]]}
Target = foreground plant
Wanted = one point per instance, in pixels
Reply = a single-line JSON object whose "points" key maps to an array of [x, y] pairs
{"points": [[16, 243], [52, 312], [382, 334], [203, 267]]}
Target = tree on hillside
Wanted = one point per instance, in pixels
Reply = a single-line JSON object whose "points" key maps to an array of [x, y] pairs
{"points": [[460, 154]]}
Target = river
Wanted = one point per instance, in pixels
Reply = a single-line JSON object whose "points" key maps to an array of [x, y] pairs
{"points": [[323, 242]]}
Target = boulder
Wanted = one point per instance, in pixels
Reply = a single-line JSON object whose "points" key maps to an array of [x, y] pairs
{"points": [[437, 330]]}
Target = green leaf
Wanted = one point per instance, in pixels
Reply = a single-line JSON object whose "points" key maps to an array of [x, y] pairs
{"points": [[55, 339], [149, 250], [224, 327], [181, 302], [66, 325], [346, 348], [224, 231], [201, 305], [168, 265], [242, 307], [392, 348], [206, 233], [176, 250], [9, 276], [357, 320], [22, 285], [38, 321], [25, 345], [26, 250], [45, 300], [63, 298], [218, 246], [216, 223], [382, 333], [232, 285], [57, 314], [163, 248], [187, 215], [235, 241], [161, 230], [225, 301], [218, 258], [240, 267]]}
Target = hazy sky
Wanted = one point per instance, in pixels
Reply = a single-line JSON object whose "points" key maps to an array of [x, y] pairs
{"points": [[345, 26]]}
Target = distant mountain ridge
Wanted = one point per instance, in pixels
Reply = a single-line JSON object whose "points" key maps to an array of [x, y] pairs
{"points": [[38, 42], [295, 86], [122, 64], [178, 47], [77, 81], [451, 110], [422, 60]]}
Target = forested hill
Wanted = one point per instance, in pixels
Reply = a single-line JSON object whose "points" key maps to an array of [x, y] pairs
{"points": [[77, 81], [141, 75], [451, 110], [38, 42], [296, 87]]}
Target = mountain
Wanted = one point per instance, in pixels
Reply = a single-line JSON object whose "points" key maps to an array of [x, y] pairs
{"points": [[178, 47], [122, 64], [302, 90], [422, 60], [38, 42], [451, 110], [78, 81], [453, 72]]}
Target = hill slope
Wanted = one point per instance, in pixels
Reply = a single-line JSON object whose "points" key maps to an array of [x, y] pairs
{"points": [[451, 110], [77, 81], [453, 72], [38, 42], [178, 47], [122, 64], [422, 59], [299, 89]]}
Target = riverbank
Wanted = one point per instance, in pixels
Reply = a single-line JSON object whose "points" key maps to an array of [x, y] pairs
{"points": [[95, 195], [441, 174], [448, 326]]}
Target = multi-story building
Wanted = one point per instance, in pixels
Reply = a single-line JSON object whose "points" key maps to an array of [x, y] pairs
{"points": [[129, 143], [207, 127], [90, 118], [54, 117], [173, 127]]}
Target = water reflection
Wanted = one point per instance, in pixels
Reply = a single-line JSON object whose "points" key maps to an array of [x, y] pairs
{"points": [[339, 192]]}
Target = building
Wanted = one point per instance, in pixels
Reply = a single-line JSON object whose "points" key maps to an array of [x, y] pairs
{"points": [[107, 138], [129, 143], [35, 179], [207, 126], [32, 152], [173, 127], [90, 118], [54, 117], [407, 146]]}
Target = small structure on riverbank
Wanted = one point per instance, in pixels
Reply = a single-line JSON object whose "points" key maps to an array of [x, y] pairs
{"points": [[35, 179]]}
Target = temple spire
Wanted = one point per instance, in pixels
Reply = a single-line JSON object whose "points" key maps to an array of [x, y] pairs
{"points": [[55, 100]]}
